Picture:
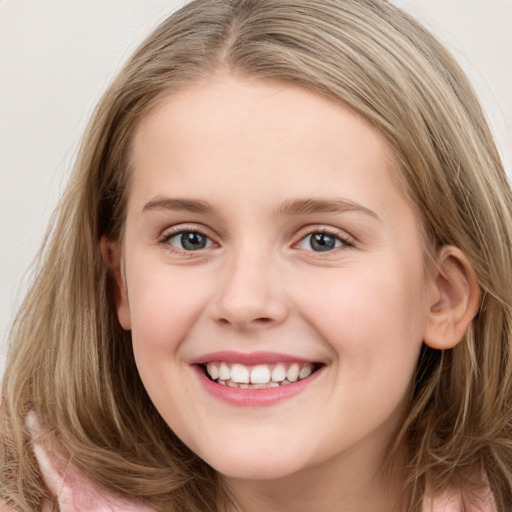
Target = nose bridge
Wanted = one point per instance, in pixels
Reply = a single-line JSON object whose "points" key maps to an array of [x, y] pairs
{"points": [[251, 292]]}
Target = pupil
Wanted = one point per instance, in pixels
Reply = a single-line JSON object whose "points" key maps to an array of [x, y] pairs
{"points": [[322, 242], [193, 241]]}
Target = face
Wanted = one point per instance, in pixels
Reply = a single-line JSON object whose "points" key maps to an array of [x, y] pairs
{"points": [[274, 278]]}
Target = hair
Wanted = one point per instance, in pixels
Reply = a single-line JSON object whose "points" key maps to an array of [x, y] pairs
{"points": [[71, 362]]}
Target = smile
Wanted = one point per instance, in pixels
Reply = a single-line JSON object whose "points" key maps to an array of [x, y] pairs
{"points": [[260, 376], [256, 378]]}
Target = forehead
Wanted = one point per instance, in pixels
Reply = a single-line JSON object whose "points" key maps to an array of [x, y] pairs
{"points": [[231, 135]]}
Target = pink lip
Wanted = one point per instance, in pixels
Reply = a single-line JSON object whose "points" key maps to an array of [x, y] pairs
{"points": [[254, 397], [249, 359]]}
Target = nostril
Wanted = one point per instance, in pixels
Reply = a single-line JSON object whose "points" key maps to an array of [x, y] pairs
{"points": [[263, 320]]}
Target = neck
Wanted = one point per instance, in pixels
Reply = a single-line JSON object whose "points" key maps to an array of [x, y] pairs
{"points": [[345, 483]]}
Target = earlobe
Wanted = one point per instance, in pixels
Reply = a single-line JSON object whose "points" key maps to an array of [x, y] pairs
{"points": [[455, 301], [111, 255]]}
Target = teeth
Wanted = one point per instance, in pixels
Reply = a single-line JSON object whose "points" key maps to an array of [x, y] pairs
{"points": [[240, 374], [232, 384], [260, 376], [213, 370], [224, 372], [293, 372], [278, 373], [305, 371]]}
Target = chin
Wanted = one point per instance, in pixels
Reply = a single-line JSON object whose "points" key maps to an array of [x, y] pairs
{"points": [[246, 466]]}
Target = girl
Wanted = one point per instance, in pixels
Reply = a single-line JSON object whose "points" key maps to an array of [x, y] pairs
{"points": [[279, 280]]}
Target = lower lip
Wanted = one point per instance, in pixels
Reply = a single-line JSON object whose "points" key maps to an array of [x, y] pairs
{"points": [[254, 397]]}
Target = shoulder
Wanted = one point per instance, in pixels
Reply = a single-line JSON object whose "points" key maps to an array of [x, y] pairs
{"points": [[71, 489], [6, 508], [74, 491], [451, 501]]}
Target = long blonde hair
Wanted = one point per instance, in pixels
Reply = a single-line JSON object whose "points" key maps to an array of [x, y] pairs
{"points": [[71, 363]]}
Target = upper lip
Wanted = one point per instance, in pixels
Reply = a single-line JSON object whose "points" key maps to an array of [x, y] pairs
{"points": [[249, 359]]}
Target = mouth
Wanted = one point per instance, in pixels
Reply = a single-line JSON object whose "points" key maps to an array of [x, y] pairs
{"points": [[259, 376]]}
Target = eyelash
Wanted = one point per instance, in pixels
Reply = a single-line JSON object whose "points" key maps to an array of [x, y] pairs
{"points": [[344, 241], [175, 232]]}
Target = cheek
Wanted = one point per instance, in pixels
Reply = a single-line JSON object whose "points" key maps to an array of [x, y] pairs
{"points": [[165, 303], [368, 316]]}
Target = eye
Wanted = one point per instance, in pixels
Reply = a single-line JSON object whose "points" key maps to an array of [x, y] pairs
{"points": [[321, 242], [189, 241]]}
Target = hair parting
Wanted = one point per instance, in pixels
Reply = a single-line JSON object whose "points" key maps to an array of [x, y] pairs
{"points": [[72, 364]]}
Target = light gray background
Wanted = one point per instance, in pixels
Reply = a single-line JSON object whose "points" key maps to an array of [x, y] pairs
{"points": [[57, 56]]}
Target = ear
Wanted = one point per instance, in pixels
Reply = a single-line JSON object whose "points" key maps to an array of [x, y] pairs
{"points": [[455, 301], [111, 255]]}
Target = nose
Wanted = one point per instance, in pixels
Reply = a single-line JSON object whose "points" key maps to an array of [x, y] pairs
{"points": [[251, 294]]}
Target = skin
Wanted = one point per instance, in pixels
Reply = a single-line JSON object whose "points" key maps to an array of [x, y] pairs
{"points": [[362, 310]]}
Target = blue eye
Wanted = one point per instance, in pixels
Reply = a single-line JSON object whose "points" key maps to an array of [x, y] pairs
{"points": [[321, 242], [189, 241]]}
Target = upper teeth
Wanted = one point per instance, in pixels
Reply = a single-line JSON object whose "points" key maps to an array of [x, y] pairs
{"points": [[259, 374]]}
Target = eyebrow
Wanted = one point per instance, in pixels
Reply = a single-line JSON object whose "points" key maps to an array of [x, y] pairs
{"points": [[288, 207], [175, 204], [312, 205]]}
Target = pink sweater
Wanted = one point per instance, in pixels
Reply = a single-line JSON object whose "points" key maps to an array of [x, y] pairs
{"points": [[75, 493]]}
